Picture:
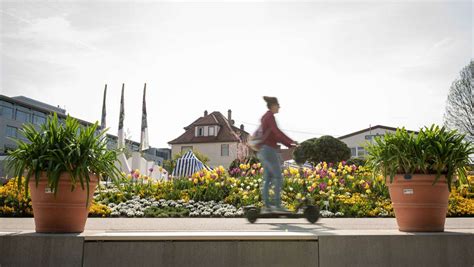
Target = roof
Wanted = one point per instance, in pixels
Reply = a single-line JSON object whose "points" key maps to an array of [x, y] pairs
{"points": [[35, 103], [371, 128], [227, 132]]}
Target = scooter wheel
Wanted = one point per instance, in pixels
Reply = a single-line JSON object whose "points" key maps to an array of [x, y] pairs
{"points": [[311, 213], [252, 215]]}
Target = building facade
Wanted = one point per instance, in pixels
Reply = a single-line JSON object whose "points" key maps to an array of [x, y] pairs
{"points": [[356, 141], [19, 110], [216, 137]]}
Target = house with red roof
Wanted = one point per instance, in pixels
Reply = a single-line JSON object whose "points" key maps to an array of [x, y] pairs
{"points": [[215, 136]]}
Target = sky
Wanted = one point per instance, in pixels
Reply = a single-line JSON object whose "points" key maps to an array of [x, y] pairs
{"points": [[336, 67]]}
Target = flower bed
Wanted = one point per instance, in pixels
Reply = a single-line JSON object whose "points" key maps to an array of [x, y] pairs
{"points": [[340, 190]]}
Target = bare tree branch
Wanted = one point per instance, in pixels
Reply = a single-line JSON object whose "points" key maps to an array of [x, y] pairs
{"points": [[459, 112]]}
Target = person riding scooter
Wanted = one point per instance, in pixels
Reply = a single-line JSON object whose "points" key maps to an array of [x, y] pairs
{"points": [[271, 135]]}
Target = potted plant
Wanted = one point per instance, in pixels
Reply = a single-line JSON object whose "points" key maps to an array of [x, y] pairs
{"points": [[62, 164], [419, 170]]}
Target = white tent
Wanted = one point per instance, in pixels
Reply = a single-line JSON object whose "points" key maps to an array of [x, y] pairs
{"points": [[187, 165]]}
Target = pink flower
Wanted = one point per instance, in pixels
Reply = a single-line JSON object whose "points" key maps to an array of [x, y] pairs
{"points": [[322, 186]]}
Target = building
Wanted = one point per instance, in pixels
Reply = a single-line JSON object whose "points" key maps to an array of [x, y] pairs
{"points": [[357, 140], [18, 110], [214, 136]]}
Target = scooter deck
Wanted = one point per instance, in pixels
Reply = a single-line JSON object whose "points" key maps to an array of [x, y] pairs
{"points": [[281, 215], [311, 213]]}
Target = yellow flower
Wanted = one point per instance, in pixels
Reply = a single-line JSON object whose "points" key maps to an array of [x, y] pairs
{"points": [[368, 191]]}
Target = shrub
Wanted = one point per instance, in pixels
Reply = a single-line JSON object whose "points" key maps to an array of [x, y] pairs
{"points": [[323, 149]]}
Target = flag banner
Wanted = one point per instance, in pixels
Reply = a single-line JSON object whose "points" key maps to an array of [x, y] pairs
{"points": [[121, 137], [102, 121], [144, 145]]}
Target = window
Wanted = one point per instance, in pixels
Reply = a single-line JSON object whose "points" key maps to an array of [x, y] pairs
{"points": [[6, 112], [12, 131], [360, 151], [353, 152], [225, 150], [186, 148], [22, 116], [135, 147], [211, 131], [200, 131], [39, 120]]}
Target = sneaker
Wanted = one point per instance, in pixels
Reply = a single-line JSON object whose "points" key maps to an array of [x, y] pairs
{"points": [[281, 210]]}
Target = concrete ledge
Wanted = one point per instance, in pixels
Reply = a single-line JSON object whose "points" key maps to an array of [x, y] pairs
{"points": [[200, 236], [41, 250], [201, 253], [427, 249]]}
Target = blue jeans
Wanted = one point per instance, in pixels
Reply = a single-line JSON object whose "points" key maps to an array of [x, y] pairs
{"points": [[272, 174]]}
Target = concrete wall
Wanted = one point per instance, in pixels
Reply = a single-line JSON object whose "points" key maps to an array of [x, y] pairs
{"points": [[425, 249], [41, 250], [212, 151], [201, 253]]}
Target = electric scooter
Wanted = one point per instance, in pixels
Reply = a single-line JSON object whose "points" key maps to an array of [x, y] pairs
{"points": [[304, 210]]}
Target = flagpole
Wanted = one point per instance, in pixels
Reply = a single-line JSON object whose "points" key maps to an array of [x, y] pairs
{"points": [[144, 145], [104, 112], [120, 135]]}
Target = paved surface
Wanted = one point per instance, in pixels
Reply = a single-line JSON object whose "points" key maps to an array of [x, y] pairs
{"points": [[324, 225]]}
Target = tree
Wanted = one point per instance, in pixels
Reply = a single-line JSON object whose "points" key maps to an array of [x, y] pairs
{"points": [[326, 148], [459, 113]]}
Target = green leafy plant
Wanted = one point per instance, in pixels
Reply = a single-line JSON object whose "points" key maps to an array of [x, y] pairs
{"points": [[56, 147], [157, 212], [433, 150], [326, 148]]}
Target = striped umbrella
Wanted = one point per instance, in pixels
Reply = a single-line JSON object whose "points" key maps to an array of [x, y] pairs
{"points": [[188, 164]]}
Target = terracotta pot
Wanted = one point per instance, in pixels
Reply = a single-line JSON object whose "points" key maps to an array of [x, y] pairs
{"points": [[419, 205], [65, 213]]}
